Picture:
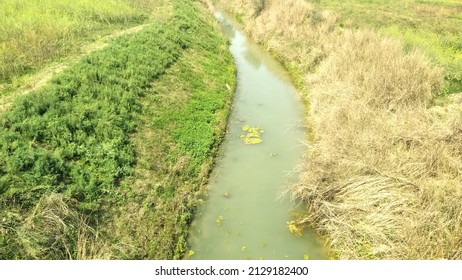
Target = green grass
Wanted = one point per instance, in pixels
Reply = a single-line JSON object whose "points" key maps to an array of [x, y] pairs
{"points": [[432, 26], [33, 33], [181, 127], [68, 148]]}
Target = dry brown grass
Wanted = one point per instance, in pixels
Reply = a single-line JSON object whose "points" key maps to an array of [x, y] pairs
{"points": [[55, 226], [382, 178]]}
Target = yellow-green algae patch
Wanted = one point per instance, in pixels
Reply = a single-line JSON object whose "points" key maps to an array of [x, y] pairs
{"points": [[253, 135]]}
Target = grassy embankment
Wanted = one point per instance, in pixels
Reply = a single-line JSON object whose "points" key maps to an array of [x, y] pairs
{"points": [[107, 159], [382, 177]]}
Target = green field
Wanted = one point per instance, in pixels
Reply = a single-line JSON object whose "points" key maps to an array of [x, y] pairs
{"points": [[33, 33], [434, 27], [114, 150]]}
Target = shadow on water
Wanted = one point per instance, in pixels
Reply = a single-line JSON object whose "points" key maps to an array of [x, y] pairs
{"points": [[243, 216]]}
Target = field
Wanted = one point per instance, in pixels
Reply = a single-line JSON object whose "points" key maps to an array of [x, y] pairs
{"points": [[381, 177], [33, 33], [430, 26], [112, 135], [111, 114]]}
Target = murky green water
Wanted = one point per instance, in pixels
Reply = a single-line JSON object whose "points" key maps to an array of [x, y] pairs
{"points": [[243, 216]]}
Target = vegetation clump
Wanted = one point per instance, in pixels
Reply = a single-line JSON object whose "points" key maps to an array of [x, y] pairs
{"points": [[295, 229], [253, 135]]}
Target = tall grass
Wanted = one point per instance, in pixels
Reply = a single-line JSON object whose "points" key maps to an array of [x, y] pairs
{"points": [[35, 32], [434, 27], [382, 176]]}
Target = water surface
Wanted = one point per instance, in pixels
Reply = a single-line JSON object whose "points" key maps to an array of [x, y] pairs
{"points": [[243, 216]]}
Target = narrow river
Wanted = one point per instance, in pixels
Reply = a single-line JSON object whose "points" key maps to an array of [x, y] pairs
{"points": [[243, 216]]}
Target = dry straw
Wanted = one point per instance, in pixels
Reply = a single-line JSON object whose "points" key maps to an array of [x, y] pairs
{"points": [[382, 178], [54, 226]]}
